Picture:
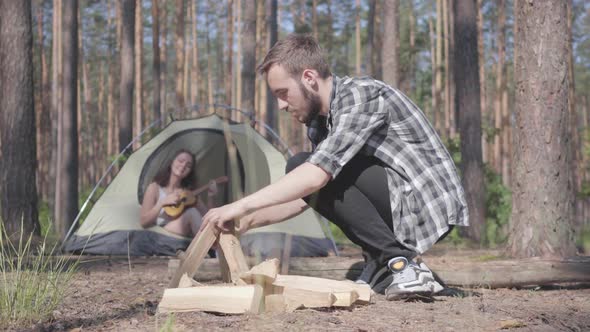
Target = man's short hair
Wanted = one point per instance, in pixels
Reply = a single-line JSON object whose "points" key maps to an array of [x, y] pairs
{"points": [[296, 53]]}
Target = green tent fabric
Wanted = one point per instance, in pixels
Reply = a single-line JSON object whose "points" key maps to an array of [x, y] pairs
{"points": [[221, 148]]}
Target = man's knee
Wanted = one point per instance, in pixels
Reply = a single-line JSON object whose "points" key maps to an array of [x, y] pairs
{"points": [[296, 160]]}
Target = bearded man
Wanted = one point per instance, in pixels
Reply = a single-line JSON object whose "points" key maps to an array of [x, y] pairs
{"points": [[378, 169]]}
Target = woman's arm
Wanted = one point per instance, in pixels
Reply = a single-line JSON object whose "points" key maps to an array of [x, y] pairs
{"points": [[151, 207]]}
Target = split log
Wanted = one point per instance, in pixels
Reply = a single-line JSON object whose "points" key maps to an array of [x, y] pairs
{"points": [[186, 282], [223, 299], [234, 256], [346, 292], [194, 255], [275, 303], [296, 298], [464, 272]]}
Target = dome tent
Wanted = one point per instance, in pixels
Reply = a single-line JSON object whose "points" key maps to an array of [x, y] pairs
{"points": [[221, 148]]}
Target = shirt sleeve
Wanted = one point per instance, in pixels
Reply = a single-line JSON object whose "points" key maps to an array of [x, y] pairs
{"points": [[352, 126]]}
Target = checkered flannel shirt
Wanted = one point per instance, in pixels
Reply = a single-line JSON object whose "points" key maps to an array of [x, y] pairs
{"points": [[371, 118]]}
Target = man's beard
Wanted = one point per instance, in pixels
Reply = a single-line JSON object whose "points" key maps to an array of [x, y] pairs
{"points": [[313, 104]]}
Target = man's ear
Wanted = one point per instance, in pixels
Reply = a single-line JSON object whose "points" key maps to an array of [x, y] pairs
{"points": [[309, 77]]}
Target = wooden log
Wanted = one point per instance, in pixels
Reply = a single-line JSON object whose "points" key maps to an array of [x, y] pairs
{"points": [[341, 289], [224, 299], [296, 298], [234, 256], [186, 282], [194, 255], [464, 272], [275, 303], [265, 272]]}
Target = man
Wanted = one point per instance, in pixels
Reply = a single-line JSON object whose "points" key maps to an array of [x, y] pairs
{"points": [[378, 169]]}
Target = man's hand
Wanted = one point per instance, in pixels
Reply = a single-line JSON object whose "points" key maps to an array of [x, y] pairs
{"points": [[222, 215]]}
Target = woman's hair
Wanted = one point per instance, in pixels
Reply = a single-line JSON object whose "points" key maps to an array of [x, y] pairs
{"points": [[163, 175]]}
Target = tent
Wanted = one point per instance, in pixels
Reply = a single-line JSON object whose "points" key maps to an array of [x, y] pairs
{"points": [[221, 148]]}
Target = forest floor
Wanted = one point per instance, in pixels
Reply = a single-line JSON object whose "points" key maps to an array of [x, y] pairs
{"points": [[122, 295]]}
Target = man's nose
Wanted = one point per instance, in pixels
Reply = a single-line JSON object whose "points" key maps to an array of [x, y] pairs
{"points": [[283, 105]]}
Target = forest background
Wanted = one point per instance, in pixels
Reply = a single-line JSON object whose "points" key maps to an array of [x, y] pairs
{"points": [[104, 70]]}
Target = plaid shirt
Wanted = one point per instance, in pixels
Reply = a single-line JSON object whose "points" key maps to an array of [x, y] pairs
{"points": [[371, 118]]}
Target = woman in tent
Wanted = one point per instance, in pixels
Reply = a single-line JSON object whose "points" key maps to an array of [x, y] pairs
{"points": [[170, 186]]}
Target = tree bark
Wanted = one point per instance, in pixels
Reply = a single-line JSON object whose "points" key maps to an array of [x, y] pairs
{"points": [[179, 53], [577, 165], [249, 56], [469, 115], [482, 80], [230, 52], [390, 49], [238, 96], [357, 38], [43, 120], [195, 72], [157, 104], [371, 39], [439, 113], [271, 102], [542, 200], [69, 171], [500, 73], [18, 190], [127, 68], [137, 124], [164, 58]]}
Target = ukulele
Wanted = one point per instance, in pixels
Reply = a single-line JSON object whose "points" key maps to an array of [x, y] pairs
{"points": [[189, 198]]}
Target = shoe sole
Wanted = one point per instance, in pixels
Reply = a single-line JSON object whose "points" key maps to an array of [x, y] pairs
{"points": [[409, 296]]}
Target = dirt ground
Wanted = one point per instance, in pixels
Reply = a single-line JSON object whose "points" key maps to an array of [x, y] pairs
{"points": [[122, 295]]}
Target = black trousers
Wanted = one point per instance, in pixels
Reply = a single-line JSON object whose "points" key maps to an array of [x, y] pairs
{"points": [[357, 201]]}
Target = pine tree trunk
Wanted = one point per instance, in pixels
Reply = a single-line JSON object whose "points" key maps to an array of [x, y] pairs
{"points": [[249, 56], [55, 109], [482, 80], [500, 72], [127, 69], [230, 52], [69, 169], [542, 199], [469, 115], [433, 99], [43, 120], [371, 39], [18, 191], [358, 38], [210, 87], [195, 74], [439, 110], [157, 103], [449, 123], [179, 53], [238, 99], [271, 102], [164, 57], [390, 49], [577, 166], [137, 124], [413, 51]]}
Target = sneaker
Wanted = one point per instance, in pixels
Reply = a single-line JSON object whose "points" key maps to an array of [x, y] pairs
{"points": [[376, 277], [410, 280]]}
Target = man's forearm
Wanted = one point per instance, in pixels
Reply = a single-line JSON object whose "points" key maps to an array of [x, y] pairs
{"points": [[302, 181], [274, 214]]}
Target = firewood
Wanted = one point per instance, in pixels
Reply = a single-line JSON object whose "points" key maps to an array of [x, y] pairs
{"points": [[228, 299], [340, 289]]}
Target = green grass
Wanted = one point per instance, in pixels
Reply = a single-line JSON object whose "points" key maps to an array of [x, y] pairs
{"points": [[168, 324], [32, 281]]}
